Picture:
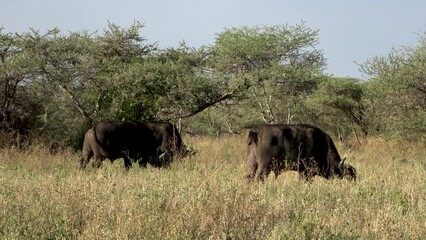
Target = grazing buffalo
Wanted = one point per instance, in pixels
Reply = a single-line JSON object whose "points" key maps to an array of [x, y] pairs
{"points": [[299, 147], [129, 140], [168, 140]]}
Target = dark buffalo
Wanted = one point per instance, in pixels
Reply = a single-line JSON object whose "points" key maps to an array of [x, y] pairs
{"points": [[129, 140], [300, 147], [168, 140]]}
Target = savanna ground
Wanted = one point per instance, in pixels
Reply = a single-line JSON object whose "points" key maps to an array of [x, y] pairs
{"points": [[45, 196]]}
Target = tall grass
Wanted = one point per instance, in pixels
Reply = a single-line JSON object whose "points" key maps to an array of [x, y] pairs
{"points": [[45, 196]]}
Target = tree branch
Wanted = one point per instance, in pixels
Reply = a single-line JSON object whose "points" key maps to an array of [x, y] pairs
{"points": [[417, 88], [76, 103], [204, 106]]}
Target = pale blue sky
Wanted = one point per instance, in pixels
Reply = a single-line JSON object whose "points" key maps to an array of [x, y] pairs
{"points": [[350, 31]]}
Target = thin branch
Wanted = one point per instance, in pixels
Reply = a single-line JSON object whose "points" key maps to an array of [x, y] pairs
{"points": [[76, 102], [417, 88], [204, 106]]}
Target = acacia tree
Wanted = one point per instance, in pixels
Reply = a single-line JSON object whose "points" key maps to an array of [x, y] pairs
{"points": [[18, 104], [190, 84], [94, 71], [280, 63], [79, 78], [396, 97], [338, 104]]}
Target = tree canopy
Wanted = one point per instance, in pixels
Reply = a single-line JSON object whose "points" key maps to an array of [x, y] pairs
{"points": [[53, 85]]}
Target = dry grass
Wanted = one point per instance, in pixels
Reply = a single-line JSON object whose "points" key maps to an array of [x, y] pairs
{"points": [[47, 197]]}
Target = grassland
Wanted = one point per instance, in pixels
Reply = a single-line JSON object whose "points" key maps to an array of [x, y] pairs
{"points": [[45, 196]]}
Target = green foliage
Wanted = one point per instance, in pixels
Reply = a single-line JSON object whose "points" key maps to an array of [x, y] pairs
{"points": [[280, 63], [338, 105], [55, 86], [188, 87], [81, 78], [17, 105], [397, 92]]}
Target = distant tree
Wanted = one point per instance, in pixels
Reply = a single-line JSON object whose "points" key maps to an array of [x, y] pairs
{"points": [[82, 78], [119, 89], [190, 85], [57, 85], [280, 63], [397, 91], [338, 104], [19, 106]]}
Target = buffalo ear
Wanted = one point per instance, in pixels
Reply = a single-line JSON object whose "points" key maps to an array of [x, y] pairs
{"points": [[252, 137]]}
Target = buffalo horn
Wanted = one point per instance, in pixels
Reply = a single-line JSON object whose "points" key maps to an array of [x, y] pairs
{"points": [[341, 164]]}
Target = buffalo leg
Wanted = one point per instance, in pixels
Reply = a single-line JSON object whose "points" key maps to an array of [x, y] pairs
{"points": [[84, 160], [262, 172], [83, 163], [276, 172], [143, 164], [251, 171], [97, 162], [127, 163]]}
